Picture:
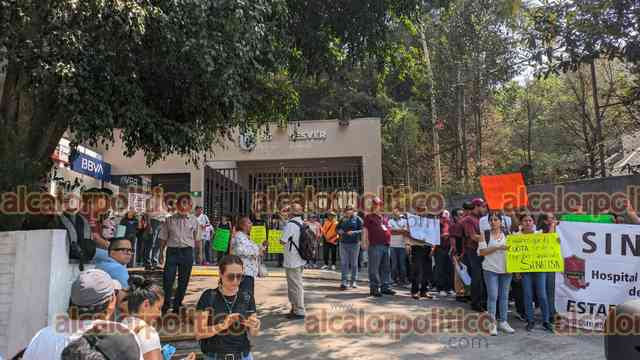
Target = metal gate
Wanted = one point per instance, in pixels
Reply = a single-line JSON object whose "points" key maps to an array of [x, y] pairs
{"points": [[230, 191]]}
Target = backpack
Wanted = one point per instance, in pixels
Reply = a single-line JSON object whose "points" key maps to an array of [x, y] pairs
{"points": [[80, 249], [307, 244]]}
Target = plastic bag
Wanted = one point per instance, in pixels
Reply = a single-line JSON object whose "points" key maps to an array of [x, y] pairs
{"points": [[463, 274]]}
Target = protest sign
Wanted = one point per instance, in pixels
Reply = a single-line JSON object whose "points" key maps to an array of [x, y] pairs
{"points": [[534, 253], [258, 234], [507, 189], [426, 229], [221, 240], [601, 271], [274, 242], [603, 219]]}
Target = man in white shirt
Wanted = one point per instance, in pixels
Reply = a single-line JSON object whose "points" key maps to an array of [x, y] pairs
{"points": [[93, 296], [399, 228], [205, 243], [293, 263]]}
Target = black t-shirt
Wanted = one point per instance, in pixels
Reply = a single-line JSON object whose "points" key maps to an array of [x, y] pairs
{"points": [[235, 339]]}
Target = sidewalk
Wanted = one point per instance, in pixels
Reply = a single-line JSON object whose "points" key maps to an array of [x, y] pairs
{"points": [[301, 340]]}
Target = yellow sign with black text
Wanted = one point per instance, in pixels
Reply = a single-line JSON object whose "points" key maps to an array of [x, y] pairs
{"points": [[534, 253]]}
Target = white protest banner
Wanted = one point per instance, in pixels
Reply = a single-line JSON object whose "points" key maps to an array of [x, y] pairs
{"points": [[424, 228], [601, 267]]}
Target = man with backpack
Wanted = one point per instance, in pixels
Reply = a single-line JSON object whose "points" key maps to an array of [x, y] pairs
{"points": [[298, 241]]}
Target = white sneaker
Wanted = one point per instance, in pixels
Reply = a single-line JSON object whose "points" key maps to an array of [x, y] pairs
{"points": [[452, 293], [504, 326], [443, 293], [354, 285], [333, 267], [493, 330], [324, 267]]}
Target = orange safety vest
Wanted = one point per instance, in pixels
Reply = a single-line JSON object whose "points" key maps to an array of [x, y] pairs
{"points": [[329, 231]]}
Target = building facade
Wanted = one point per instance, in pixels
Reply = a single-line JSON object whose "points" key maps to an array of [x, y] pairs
{"points": [[323, 156]]}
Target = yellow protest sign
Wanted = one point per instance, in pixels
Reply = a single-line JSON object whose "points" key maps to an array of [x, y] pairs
{"points": [[274, 242], [258, 234], [534, 253]]}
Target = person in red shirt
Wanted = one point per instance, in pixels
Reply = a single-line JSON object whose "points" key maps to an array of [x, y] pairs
{"points": [[441, 255], [471, 236], [376, 240], [455, 241]]}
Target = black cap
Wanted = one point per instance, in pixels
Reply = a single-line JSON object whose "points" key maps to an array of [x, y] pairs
{"points": [[467, 205]]}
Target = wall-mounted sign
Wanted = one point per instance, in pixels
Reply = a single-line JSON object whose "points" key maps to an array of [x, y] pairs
{"points": [[91, 166], [247, 140], [298, 134], [131, 180]]}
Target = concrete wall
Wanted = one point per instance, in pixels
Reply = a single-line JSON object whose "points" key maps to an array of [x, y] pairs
{"points": [[35, 279], [362, 138]]}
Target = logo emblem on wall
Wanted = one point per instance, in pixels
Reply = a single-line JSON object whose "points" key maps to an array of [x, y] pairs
{"points": [[247, 140], [574, 270]]}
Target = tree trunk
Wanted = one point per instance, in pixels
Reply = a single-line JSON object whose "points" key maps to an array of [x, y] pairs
{"points": [[478, 125], [30, 132], [529, 130], [462, 136], [407, 178], [478, 155], [598, 116], [437, 170]]}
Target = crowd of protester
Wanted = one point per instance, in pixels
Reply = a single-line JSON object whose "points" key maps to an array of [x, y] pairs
{"points": [[112, 314]]}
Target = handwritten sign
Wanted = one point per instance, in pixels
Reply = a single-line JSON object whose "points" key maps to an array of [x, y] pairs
{"points": [[221, 240], [274, 242], [258, 234], [534, 253], [507, 189]]}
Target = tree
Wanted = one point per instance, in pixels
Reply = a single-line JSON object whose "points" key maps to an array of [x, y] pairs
{"points": [[572, 33], [174, 76]]}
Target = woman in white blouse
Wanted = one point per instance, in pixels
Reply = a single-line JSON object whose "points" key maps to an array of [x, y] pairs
{"points": [[248, 251], [493, 248]]}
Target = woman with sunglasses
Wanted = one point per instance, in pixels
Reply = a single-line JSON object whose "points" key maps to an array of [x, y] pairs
{"points": [[493, 247], [225, 316], [248, 251], [534, 282]]}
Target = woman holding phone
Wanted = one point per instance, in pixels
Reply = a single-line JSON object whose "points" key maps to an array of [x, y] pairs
{"points": [[226, 316]]}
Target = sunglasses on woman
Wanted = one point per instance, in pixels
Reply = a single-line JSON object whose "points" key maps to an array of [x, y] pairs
{"points": [[232, 276]]}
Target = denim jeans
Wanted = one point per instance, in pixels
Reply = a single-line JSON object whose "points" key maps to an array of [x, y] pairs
{"points": [[497, 291], [213, 357], [399, 264], [535, 282], [379, 267], [207, 251], [152, 248], [551, 293], [349, 261]]}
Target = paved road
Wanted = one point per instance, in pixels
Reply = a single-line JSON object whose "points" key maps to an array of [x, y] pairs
{"points": [[315, 339]]}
